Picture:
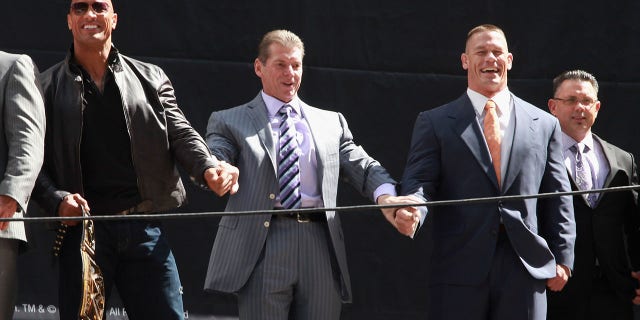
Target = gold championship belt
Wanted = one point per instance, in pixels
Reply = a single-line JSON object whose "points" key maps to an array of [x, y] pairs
{"points": [[92, 305]]}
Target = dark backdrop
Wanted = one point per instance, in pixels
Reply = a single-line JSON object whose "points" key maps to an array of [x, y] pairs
{"points": [[379, 62]]}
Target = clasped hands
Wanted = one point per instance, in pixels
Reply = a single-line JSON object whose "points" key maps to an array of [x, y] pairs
{"points": [[404, 219], [222, 179]]}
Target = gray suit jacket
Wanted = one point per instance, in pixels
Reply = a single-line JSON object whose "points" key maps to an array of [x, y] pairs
{"points": [[449, 159], [242, 136], [21, 134]]}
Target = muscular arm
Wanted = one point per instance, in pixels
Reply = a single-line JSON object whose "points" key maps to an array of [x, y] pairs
{"points": [[187, 145]]}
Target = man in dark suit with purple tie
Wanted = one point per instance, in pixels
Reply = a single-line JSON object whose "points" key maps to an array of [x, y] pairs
{"points": [[607, 225]]}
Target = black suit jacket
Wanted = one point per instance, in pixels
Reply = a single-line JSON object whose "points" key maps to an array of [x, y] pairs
{"points": [[608, 232]]}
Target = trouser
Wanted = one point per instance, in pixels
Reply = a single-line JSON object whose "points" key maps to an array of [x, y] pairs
{"points": [[136, 258], [589, 298], [508, 293], [8, 277], [295, 277]]}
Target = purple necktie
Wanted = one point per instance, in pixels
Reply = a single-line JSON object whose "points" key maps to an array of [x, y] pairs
{"points": [[583, 173], [288, 166]]}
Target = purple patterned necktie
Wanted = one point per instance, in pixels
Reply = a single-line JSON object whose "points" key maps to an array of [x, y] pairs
{"points": [[583, 173], [288, 165]]}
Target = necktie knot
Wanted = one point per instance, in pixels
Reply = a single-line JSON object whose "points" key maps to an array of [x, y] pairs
{"points": [[490, 105], [285, 110]]}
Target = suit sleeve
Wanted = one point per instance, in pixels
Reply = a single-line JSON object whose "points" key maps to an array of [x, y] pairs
{"points": [[188, 147], [24, 123], [632, 223], [422, 170], [219, 139], [361, 171], [556, 213]]}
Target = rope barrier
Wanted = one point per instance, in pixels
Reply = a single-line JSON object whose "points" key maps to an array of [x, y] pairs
{"points": [[158, 216]]}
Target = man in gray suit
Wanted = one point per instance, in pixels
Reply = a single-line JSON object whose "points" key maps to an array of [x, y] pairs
{"points": [[286, 266], [491, 260], [21, 153]]}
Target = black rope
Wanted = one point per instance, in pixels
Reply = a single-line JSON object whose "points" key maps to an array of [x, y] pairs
{"points": [[157, 216]]}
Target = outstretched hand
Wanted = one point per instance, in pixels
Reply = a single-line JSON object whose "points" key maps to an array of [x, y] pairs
{"points": [[222, 179], [404, 219]]}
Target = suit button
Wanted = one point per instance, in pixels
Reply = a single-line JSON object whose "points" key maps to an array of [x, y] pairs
{"points": [[500, 204], [272, 196], [266, 224]]}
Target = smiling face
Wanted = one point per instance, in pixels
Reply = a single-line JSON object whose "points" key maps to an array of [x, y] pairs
{"points": [[281, 73], [578, 109], [487, 60], [91, 28]]}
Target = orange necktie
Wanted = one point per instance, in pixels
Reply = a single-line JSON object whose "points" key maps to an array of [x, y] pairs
{"points": [[493, 135]]}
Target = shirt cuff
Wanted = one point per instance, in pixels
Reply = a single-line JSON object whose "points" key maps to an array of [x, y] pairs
{"points": [[385, 188]]}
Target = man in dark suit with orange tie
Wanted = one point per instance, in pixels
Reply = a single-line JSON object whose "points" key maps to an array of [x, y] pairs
{"points": [[491, 260], [608, 239]]}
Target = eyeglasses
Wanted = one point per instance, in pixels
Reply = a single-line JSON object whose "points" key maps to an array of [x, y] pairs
{"points": [[80, 8], [588, 103]]}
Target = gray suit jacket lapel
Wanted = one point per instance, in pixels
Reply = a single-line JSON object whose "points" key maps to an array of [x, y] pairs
{"points": [[324, 147], [315, 126], [260, 121]]}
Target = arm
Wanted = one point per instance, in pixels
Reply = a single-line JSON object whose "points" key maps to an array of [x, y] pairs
{"points": [[24, 124], [189, 148], [632, 230], [187, 145], [421, 174], [226, 174], [362, 171], [556, 213]]}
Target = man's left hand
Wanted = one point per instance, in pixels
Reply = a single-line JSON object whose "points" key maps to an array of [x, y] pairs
{"points": [[636, 299], [404, 219], [561, 278], [8, 208]]}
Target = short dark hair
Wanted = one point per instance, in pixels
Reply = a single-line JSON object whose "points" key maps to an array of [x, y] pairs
{"points": [[577, 74]]}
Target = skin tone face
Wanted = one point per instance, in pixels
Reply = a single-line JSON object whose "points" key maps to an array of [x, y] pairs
{"points": [[281, 74], [92, 29], [577, 115], [487, 60]]}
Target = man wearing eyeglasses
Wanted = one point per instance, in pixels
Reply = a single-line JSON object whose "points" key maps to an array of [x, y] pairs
{"points": [[114, 136], [608, 240]]}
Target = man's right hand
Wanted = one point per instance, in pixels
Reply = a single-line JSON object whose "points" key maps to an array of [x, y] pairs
{"points": [[222, 179], [404, 219], [71, 206]]}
